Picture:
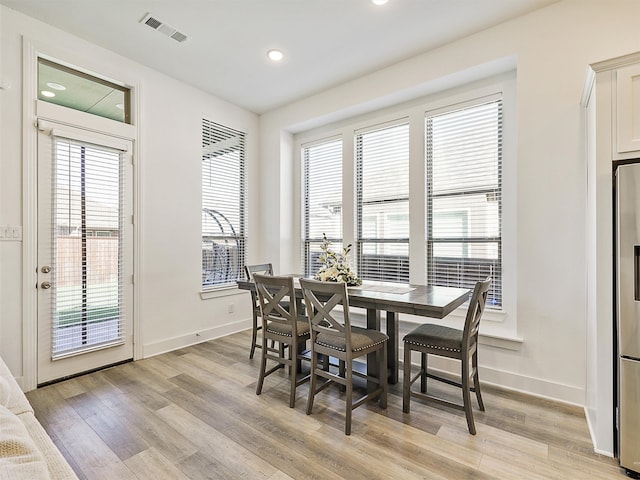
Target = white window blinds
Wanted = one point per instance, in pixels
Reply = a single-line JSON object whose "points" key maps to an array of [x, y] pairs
{"points": [[223, 205], [87, 244], [464, 197], [382, 175], [322, 172]]}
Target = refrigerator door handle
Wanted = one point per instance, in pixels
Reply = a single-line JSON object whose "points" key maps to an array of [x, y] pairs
{"points": [[636, 273]]}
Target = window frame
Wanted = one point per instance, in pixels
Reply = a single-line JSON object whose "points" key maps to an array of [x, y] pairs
{"points": [[306, 239], [400, 267], [495, 296], [74, 75], [237, 225], [499, 326]]}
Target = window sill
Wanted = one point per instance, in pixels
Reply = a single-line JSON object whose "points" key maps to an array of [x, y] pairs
{"points": [[501, 341], [221, 292], [491, 315]]}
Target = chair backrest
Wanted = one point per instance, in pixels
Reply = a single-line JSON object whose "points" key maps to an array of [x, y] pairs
{"points": [[250, 271], [321, 298], [263, 268], [474, 313], [277, 300]]}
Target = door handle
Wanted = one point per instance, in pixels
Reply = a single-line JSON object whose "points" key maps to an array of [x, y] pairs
{"points": [[45, 269], [45, 285]]}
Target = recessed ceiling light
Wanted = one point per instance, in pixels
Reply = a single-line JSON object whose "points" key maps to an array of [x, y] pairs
{"points": [[379, 2], [275, 55], [56, 86], [47, 93], [120, 106]]}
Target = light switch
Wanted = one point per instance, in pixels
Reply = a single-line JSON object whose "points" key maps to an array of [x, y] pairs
{"points": [[10, 233]]}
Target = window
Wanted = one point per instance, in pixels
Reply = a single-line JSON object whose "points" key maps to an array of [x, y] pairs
{"points": [[464, 196], [80, 91], [223, 205], [87, 197], [322, 200], [426, 192], [382, 175]]}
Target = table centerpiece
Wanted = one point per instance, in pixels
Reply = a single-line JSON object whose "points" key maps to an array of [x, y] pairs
{"points": [[335, 266]]}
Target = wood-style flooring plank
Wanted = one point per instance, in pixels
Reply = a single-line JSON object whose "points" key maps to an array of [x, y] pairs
{"points": [[193, 414], [152, 465]]}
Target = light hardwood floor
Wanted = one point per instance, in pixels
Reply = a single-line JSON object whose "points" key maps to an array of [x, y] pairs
{"points": [[194, 414]]}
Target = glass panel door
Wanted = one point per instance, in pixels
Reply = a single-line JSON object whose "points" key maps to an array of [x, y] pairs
{"points": [[84, 317]]}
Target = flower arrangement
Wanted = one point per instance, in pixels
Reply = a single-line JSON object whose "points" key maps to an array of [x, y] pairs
{"points": [[335, 266]]}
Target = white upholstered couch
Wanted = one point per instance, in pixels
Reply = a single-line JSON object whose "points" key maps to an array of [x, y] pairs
{"points": [[26, 451]]}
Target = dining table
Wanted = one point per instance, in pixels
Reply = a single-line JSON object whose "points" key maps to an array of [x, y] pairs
{"points": [[393, 299]]}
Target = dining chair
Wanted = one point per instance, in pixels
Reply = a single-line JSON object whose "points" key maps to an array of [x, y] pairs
{"points": [[250, 270], [431, 339], [281, 324], [332, 338]]}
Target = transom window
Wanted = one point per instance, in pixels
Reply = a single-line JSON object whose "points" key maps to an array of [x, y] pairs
{"points": [[80, 91]]}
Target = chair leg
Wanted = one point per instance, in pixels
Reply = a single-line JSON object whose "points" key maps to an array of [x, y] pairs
{"points": [[341, 372], [384, 377], [423, 372], [348, 400], [293, 348], [466, 396], [406, 383], [263, 366], [312, 381], [476, 381], [254, 335], [325, 363]]}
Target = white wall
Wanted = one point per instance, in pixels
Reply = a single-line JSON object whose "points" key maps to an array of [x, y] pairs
{"points": [[171, 312], [553, 48]]}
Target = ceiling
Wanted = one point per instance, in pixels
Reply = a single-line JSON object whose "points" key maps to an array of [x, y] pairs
{"points": [[325, 42]]}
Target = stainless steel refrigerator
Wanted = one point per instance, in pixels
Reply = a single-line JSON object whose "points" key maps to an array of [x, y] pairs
{"points": [[628, 315]]}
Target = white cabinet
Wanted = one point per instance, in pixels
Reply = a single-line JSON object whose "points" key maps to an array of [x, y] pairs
{"points": [[627, 110], [611, 99]]}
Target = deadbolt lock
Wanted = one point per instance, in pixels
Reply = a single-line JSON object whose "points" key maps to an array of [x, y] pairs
{"points": [[45, 269]]}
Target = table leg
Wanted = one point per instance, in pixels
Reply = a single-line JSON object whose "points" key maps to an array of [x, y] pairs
{"points": [[373, 323], [392, 346], [301, 346]]}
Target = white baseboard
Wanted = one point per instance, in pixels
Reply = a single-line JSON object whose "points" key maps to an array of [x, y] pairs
{"points": [[516, 382], [534, 386], [170, 344], [594, 438]]}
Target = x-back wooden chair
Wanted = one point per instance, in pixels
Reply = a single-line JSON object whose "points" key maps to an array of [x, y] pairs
{"points": [[332, 338], [431, 339], [282, 325]]}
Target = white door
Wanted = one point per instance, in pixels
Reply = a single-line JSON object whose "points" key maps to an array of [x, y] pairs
{"points": [[85, 238]]}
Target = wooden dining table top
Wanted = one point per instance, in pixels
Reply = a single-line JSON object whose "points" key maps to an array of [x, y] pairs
{"points": [[423, 300]]}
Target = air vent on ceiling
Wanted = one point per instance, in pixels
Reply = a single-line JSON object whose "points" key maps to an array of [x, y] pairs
{"points": [[163, 28]]}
